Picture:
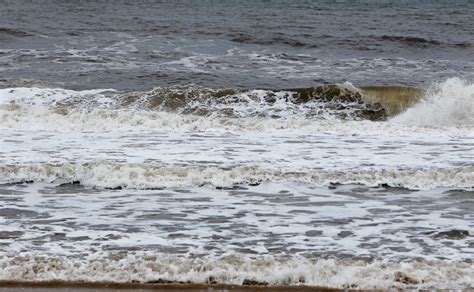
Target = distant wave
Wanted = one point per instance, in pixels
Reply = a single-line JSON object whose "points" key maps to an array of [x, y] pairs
{"points": [[419, 41], [269, 40], [309, 41], [10, 32]]}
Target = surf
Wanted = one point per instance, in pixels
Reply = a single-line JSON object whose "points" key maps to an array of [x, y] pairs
{"points": [[448, 103]]}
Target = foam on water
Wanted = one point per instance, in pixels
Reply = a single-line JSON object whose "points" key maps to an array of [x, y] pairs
{"points": [[237, 270], [45, 96], [232, 187], [64, 119], [324, 102], [448, 103], [272, 181], [445, 104], [277, 233], [142, 176]]}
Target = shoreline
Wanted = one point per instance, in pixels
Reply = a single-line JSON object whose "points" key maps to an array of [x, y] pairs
{"points": [[109, 286]]}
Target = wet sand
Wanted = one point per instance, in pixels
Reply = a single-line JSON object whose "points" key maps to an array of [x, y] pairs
{"points": [[89, 287]]}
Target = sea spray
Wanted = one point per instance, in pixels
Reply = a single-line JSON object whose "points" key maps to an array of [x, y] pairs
{"points": [[448, 103]]}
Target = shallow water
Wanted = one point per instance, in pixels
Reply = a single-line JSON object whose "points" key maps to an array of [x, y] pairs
{"points": [[281, 219], [91, 185]]}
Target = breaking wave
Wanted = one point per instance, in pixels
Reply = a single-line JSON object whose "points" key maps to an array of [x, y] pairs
{"points": [[449, 103], [239, 270], [318, 102], [344, 102], [445, 104], [104, 174]]}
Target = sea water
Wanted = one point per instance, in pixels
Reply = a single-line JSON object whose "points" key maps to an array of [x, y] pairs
{"points": [[234, 142]]}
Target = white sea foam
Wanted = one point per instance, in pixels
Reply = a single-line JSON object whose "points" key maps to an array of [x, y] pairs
{"points": [[235, 269], [44, 96], [282, 211], [447, 103], [417, 157], [46, 118], [142, 176]]}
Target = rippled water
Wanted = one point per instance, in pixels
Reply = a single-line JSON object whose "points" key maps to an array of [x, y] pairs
{"points": [[271, 44], [236, 142]]}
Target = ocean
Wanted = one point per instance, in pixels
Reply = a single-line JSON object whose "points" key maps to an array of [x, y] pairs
{"points": [[275, 143]]}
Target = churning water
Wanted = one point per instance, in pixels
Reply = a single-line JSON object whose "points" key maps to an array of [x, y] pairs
{"points": [[313, 142]]}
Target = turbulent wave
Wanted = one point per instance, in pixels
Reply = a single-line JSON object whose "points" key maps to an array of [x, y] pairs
{"points": [[103, 174], [238, 270], [323, 102], [393, 99], [318, 102], [49, 96], [445, 104]]}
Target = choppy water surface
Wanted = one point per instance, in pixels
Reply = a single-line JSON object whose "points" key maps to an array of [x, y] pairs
{"points": [[246, 143], [270, 44]]}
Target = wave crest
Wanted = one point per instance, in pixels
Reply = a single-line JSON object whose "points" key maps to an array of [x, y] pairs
{"points": [[445, 104], [321, 102], [104, 174], [315, 102]]}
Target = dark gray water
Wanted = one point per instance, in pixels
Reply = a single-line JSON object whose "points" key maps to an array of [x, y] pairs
{"points": [[251, 44]]}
